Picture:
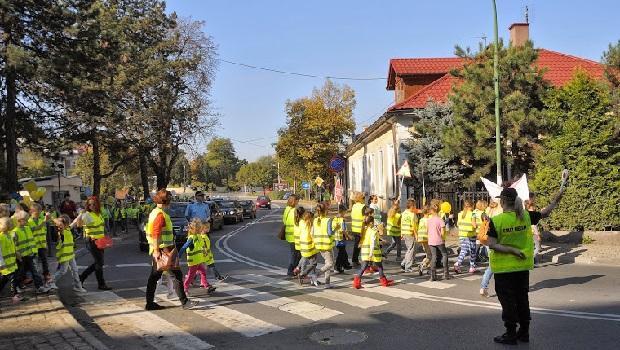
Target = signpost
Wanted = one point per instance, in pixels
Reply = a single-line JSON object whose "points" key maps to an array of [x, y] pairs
{"points": [[306, 186]]}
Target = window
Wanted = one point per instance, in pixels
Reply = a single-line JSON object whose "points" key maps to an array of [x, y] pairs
{"points": [[380, 174]]}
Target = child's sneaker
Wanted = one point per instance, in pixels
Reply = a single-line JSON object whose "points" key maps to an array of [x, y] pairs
{"points": [[222, 278], [457, 268], [210, 289], [314, 281], [79, 289], [472, 270], [296, 271], [484, 292]]}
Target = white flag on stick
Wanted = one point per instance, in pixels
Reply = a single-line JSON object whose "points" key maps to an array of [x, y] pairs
{"points": [[404, 170]]}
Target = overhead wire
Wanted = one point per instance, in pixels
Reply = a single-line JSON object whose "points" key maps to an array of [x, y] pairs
{"points": [[273, 70]]}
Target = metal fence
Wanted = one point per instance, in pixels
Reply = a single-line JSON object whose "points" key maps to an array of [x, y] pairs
{"points": [[455, 198]]}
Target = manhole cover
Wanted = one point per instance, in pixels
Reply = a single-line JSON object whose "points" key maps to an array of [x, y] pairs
{"points": [[338, 336]]}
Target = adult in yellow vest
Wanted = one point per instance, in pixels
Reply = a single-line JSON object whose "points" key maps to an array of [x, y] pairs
{"points": [[357, 219], [94, 229], [409, 231], [161, 241], [393, 229], [38, 226], [370, 250], [8, 266], [467, 224], [288, 220], [324, 241]]}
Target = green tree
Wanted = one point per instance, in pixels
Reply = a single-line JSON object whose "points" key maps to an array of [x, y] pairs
{"points": [[316, 129], [425, 147], [221, 160], [611, 59], [34, 164], [583, 140], [260, 173], [472, 139]]}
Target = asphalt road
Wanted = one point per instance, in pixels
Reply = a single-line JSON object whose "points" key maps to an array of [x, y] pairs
{"points": [[573, 306]]}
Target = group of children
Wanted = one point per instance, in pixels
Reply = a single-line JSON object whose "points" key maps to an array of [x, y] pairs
{"points": [[23, 246]]}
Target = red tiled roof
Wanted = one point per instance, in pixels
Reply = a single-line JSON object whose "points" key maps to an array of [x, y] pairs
{"points": [[420, 66], [558, 69], [436, 91]]}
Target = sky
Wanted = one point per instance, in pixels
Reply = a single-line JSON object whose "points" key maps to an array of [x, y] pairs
{"points": [[357, 39]]}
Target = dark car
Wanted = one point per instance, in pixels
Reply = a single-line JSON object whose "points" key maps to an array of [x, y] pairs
{"points": [[263, 202], [232, 210], [249, 209]]}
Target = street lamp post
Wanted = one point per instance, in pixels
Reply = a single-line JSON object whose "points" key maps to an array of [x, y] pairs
{"points": [[498, 150]]}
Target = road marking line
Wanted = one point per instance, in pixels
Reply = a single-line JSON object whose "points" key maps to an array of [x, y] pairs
{"points": [[111, 310], [330, 294], [232, 319], [471, 278], [311, 311], [435, 284]]}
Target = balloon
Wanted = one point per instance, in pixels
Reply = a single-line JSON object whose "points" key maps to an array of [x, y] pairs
{"points": [[30, 186], [43, 190], [27, 200], [446, 207]]}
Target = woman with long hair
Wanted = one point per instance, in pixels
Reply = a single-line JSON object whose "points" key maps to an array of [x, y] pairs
{"points": [[94, 228]]}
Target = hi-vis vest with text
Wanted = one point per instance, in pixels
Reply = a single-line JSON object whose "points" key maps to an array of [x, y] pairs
{"points": [[515, 233]]}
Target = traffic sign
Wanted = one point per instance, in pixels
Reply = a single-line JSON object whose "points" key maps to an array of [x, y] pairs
{"points": [[305, 185], [336, 164]]}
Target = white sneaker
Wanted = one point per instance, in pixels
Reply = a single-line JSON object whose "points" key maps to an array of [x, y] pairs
{"points": [[79, 290], [314, 281]]}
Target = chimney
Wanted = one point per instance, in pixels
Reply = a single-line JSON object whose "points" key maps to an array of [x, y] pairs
{"points": [[519, 33]]}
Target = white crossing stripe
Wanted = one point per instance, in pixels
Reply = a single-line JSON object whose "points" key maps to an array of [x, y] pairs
{"points": [[314, 312], [390, 291], [435, 284], [110, 310], [472, 278], [232, 319], [329, 294]]}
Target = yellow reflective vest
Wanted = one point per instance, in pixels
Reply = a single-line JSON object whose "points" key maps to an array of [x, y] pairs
{"points": [[38, 227], [24, 241], [167, 237], [65, 249], [96, 229], [408, 223], [7, 245], [288, 219], [320, 236], [306, 244], [338, 233], [196, 255], [393, 225], [371, 251], [209, 260], [423, 230], [357, 218], [466, 226], [514, 233]]}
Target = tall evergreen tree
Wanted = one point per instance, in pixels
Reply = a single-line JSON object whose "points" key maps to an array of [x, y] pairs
{"points": [[472, 139], [583, 140]]}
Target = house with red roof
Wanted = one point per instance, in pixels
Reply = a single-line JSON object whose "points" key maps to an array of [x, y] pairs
{"points": [[375, 155]]}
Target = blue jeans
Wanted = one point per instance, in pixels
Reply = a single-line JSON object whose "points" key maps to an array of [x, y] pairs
{"points": [[486, 278], [294, 257]]}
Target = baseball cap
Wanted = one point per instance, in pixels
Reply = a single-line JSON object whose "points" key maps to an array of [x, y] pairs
{"points": [[508, 194]]}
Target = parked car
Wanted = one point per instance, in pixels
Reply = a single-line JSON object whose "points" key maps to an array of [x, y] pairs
{"points": [[263, 202], [233, 212], [249, 209]]}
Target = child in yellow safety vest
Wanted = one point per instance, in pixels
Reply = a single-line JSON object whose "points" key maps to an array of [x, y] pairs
{"points": [[393, 229], [25, 250], [324, 241], [467, 223], [338, 228], [197, 252], [299, 213], [370, 250], [65, 254], [308, 250], [409, 231], [206, 230], [38, 225], [8, 263]]}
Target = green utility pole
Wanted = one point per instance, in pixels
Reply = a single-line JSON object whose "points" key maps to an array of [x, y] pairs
{"points": [[498, 147]]}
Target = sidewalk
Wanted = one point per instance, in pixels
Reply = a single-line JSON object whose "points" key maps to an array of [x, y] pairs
{"points": [[42, 323]]}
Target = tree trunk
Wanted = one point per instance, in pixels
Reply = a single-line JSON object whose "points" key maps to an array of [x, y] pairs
{"points": [[144, 176], [9, 128], [96, 165]]}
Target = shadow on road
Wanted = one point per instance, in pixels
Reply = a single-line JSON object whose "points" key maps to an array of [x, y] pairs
{"points": [[560, 282]]}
